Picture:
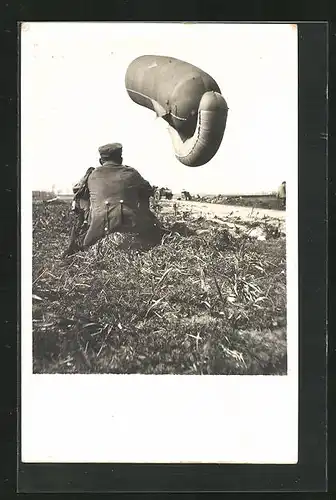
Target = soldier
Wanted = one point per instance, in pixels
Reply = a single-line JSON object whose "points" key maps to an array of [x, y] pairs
{"points": [[186, 195], [81, 201], [157, 194], [119, 200], [81, 211], [282, 193], [162, 191]]}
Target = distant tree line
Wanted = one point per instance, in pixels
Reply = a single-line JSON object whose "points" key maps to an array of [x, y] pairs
{"points": [[43, 195]]}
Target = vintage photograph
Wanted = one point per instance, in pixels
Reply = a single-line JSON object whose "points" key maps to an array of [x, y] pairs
{"points": [[159, 159]]}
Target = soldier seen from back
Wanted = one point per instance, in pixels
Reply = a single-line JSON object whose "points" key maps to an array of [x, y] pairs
{"points": [[119, 202]]}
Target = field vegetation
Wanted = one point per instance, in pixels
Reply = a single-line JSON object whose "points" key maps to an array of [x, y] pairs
{"points": [[269, 202], [209, 300]]}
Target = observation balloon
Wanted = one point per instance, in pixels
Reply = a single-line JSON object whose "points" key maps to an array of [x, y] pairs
{"points": [[187, 98]]}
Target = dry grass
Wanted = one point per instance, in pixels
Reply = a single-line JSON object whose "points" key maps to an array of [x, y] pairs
{"points": [[209, 300]]}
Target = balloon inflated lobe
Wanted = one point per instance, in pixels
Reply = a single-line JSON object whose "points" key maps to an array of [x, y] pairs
{"points": [[187, 98]]}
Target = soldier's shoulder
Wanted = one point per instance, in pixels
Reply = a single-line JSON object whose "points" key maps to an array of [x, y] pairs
{"points": [[131, 169], [91, 173]]}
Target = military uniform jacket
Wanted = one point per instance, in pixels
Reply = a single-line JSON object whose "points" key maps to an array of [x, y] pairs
{"points": [[119, 202]]}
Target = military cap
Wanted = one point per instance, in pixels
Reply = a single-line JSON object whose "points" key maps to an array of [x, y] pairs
{"points": [[110, 149]]}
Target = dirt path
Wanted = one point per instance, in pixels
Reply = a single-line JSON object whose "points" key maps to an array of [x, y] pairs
{"points": [[212, 209]]}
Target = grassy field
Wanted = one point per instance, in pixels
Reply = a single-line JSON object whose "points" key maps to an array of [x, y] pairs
{"points": [[209, 300]]}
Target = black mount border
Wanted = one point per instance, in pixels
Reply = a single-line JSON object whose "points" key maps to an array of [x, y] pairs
{"points": [[310, 473]]}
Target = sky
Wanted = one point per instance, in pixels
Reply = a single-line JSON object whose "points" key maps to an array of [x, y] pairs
{"points": [[73, 100]]}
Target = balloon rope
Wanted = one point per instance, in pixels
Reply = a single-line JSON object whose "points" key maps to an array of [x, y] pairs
{"points": [[147, 97]]}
